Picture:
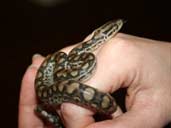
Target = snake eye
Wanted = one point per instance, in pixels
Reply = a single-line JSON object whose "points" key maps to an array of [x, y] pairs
{"points": [[97, 31]]}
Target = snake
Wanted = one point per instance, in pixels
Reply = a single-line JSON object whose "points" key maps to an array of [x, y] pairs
{"points": [[61, 76]]}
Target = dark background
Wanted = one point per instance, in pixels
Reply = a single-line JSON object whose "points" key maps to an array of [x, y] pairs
{"points": [[29, 27]]}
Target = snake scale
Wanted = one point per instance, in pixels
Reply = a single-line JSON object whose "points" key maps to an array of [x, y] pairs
{"points": [[60, 78]]}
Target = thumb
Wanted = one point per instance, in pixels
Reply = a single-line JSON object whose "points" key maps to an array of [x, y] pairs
{"points": [[139, 116]]}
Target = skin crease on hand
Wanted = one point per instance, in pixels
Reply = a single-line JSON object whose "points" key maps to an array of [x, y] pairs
{"points": [[141, 65]]}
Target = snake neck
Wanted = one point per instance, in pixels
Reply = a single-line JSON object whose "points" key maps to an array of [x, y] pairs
{"points": [[100, 35]]}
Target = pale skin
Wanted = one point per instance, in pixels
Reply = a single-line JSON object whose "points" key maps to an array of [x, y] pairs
{"points": [[143, 66]]}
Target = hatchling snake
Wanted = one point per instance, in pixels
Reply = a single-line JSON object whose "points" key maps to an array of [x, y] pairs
{"points": [[60, 78]]}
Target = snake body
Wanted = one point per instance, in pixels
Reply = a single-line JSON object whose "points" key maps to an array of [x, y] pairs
{"points": [[59, 78]]}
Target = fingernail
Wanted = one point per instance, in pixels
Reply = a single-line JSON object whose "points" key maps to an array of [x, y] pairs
{"points": [[34, 58], [36, 55]]}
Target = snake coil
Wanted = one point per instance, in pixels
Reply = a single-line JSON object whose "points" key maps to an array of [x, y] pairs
{"points": [[60, 76]]}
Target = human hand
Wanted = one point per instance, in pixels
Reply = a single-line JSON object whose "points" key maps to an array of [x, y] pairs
{"points": [[141, 65]]}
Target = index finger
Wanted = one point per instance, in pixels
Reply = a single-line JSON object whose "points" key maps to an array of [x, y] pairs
{"points": [[27, 104]]}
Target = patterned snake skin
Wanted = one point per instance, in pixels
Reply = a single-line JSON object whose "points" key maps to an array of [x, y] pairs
{"points": [[59, 78]]}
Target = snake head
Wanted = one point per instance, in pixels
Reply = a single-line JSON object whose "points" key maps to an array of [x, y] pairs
{"points": [[109, 29]]}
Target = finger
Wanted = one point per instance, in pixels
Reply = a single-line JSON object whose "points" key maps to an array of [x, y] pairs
{"points": [[133, 119], [37, 59], [105, 71], [79, 117], [108, 75], [27, 102], [72, 113], [118, 112], [75, 116], [143, 114]]}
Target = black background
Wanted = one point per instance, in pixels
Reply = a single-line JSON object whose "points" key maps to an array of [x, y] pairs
{"points": [[29, 28]]}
